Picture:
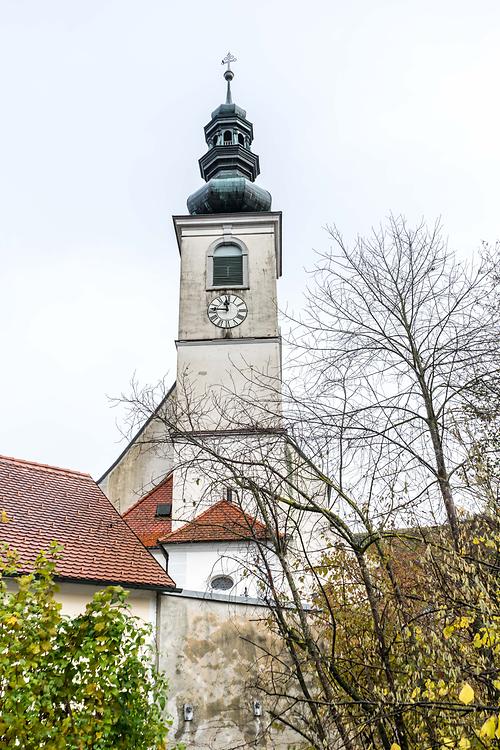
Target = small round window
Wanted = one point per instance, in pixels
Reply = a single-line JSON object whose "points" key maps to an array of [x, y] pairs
{"points": [[222, 583]]}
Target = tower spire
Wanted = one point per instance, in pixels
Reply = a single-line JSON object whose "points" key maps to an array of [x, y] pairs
{"points": [[229, 167], [228, 74]]}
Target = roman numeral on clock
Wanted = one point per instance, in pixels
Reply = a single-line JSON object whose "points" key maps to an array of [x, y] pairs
{"points": [[227, 311]]}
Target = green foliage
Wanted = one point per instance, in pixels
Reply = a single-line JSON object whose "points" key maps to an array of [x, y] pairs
{"points": [[400, 646], [417, 652], [85, 683]]}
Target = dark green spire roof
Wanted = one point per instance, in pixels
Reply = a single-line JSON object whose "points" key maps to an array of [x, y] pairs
{"points": [[229, 167]]}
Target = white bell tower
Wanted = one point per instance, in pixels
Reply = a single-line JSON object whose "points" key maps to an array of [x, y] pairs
{"points": [[229, 346]]}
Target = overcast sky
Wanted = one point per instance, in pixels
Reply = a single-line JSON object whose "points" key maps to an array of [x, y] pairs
{"points": [[359, 109]]}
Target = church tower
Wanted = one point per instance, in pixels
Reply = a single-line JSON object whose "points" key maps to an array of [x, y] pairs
{"points": [[230, 247], [227, 395]]}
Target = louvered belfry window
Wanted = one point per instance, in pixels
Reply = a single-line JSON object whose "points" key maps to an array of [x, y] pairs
{"points": [[228, 266]]}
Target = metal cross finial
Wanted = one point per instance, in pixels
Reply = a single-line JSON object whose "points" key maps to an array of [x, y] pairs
{"points": [[228, 59], [228, 74]]}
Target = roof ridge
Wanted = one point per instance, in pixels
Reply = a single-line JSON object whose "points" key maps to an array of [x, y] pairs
{"points": [[44, 467], [253, 522], [207, 510]]}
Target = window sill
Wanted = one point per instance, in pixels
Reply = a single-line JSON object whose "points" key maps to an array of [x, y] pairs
{"points": [[223, 288]]}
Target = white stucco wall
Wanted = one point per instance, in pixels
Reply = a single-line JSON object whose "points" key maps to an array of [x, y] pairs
{"points": [[200, 480], [193, 566], [231, 384], [75, 596]]}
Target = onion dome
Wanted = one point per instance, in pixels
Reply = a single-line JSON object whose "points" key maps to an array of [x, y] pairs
{"points": [[229, 167]]}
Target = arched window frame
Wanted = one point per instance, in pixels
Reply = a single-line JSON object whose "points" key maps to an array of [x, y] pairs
{"points": [[228, 240]]}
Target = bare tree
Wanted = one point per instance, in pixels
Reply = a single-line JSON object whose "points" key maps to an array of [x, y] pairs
{"points": [[397, 333], [385, 612]]}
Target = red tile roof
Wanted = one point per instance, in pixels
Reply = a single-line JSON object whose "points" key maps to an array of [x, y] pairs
{"points": [[141, 517], [222, 522], [45, 503]]}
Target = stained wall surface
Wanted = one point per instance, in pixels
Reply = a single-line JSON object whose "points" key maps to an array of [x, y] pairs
{"points": [[229, 377], [209, 651], [258, 233]]}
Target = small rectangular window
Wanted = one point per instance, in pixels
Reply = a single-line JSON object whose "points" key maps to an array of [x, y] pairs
{"points": [[164, 510], [228, 271]]}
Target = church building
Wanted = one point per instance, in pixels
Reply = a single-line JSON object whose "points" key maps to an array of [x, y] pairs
{"points": [[226, 394]]}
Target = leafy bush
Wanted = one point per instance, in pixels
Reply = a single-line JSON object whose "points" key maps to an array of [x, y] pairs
{"points": [[86, 683]]}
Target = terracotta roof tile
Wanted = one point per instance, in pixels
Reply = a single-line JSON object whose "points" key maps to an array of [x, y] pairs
{"points": [[45, 503], [141, 517], [222, 522]]}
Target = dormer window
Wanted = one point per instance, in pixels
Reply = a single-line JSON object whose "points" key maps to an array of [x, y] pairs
{"points": [[164, 510]]}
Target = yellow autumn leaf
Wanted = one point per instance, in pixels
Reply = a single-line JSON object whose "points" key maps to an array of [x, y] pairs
{"points": [[4, 518], [464, 744], [466, 694], [487, 731], [395, 746], [12, 620]]}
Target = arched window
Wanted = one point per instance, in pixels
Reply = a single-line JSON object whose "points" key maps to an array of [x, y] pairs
{"points": [[228, 138], [227, 266], [241, 139]]}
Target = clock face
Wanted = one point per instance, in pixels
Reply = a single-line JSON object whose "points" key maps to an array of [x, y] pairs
{"points": [[227, 311]]}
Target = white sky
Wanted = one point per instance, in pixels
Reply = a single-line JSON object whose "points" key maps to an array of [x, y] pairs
{"points": [[359, 109]]}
